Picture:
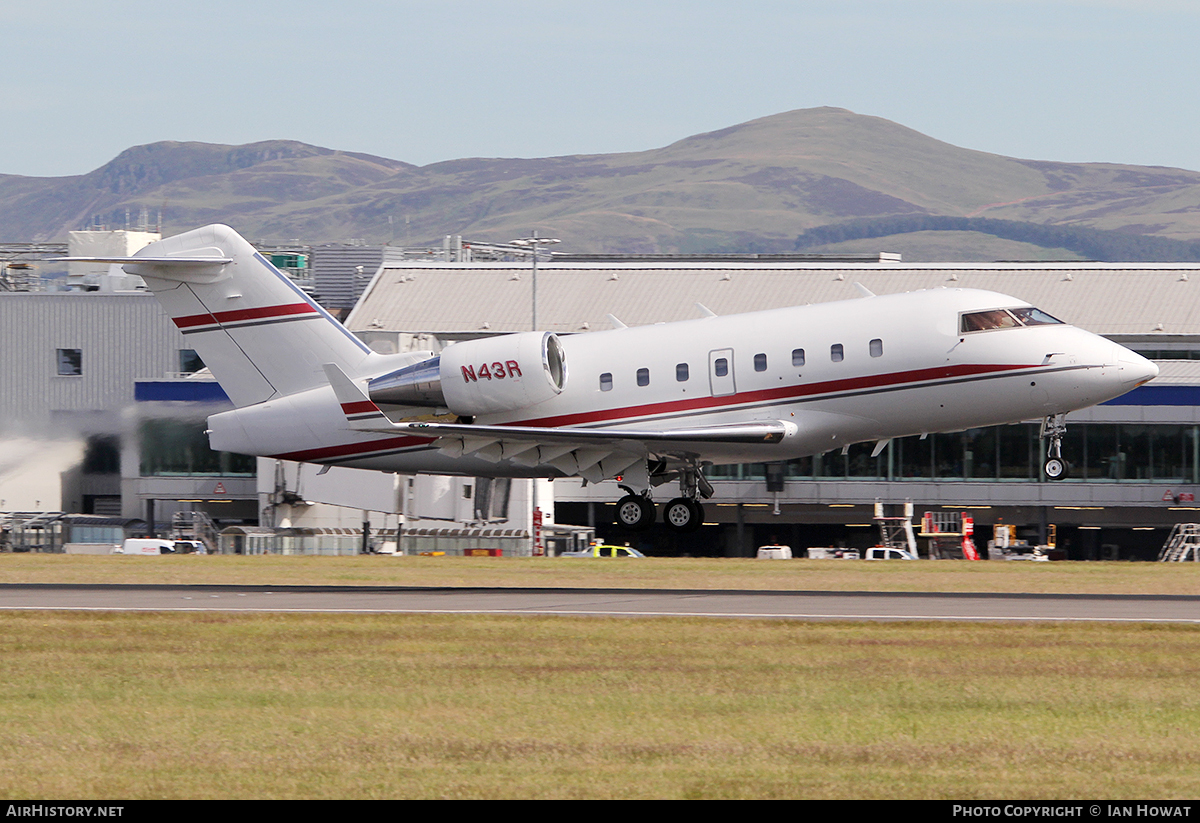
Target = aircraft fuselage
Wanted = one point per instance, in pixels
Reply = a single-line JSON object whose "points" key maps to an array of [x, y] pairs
{"points": [[867, 369]]}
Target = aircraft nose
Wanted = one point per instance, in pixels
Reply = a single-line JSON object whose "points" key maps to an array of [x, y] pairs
{"points": [[1134, 370]]}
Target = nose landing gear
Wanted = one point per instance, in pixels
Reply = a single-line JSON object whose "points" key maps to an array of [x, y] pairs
{"points": [[1053, 429]]}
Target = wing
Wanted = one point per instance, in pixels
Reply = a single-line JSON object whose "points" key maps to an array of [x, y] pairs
{"points": [[594, 454]]}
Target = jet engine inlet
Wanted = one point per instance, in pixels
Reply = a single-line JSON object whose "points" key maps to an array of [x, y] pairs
{"points": [[494, 374]]}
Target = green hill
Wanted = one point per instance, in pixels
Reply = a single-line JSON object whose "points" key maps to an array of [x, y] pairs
{"points": [[750, 187]]}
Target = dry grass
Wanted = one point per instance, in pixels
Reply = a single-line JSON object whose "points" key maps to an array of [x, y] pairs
{"points": [[663, 573], [371, 706], [300, 706]]}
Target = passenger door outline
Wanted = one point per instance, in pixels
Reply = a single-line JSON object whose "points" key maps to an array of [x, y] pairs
{"points": [[721, 385]]}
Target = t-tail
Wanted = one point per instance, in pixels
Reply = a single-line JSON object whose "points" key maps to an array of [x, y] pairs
{"points": [[260, 335]]}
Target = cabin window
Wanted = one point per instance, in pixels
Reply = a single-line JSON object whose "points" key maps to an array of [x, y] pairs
{"points": [[760, 362], [606, 381], [877, 347], [837, 353], [681, 372], [643, 377], [70, 361], [797, 357], [721, 367]]}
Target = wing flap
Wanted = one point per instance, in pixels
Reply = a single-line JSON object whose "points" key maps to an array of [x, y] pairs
{"points": [[364, 415], [594, 454], [762, 431]]}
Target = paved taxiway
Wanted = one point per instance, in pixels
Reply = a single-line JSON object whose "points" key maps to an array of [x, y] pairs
{"points": [[608, 602]]}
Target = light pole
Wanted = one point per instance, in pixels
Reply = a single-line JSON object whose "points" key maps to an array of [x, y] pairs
{"points": [[534, 244]]}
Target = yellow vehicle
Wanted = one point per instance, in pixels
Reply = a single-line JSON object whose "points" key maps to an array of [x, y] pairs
{"points": [[603, 550]]}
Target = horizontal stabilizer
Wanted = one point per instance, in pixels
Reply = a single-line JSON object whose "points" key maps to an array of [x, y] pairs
{"points": [[198, 260]]}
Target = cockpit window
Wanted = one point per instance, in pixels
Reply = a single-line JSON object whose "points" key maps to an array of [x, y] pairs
{"points": [[1005, 319], [985, 320], [1030, 316]]}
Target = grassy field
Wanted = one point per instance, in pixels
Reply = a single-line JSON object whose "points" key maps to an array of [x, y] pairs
{"points": [[381, 706], [218, 705], [664, 573]]}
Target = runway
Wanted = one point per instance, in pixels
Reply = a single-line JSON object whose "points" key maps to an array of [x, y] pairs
{"points": [[787, 605]]}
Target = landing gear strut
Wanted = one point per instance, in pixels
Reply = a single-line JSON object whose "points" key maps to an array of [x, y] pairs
{"points": [[683, 514], [1053, 429]]}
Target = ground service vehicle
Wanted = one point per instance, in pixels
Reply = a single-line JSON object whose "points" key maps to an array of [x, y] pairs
{"points": [[601, 550]]}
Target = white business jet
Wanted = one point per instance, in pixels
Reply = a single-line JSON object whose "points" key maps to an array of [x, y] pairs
{"points": [[644, 405]]}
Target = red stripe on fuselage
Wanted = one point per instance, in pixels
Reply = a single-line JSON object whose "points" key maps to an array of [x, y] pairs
{"points": [[261, 313], [359, 407], [352, 449], [874, 381]]}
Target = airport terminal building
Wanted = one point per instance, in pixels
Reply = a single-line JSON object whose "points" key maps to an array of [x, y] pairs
{"points": [[1135, 462], [108, 376]]}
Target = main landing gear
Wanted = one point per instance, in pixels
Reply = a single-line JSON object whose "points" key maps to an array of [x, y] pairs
{"points": [[635, 512], [1053, 429], [683, 514]]}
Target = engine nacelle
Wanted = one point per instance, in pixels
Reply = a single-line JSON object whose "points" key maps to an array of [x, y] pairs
{"points": [[493, 374], [498, 374]]}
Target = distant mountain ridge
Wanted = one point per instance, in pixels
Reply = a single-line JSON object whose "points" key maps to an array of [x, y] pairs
{"points": [[754, 186]]}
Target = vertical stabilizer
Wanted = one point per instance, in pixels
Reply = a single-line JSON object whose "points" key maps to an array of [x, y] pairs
{"points": [[260, 335]]}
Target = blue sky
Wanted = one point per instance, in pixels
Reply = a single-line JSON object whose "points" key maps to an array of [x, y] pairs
{"points": [[1072, 80]]}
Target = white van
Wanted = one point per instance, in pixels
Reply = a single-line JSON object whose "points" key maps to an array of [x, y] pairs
{"points": [[774, 552], [884, 553], [145, 545]]}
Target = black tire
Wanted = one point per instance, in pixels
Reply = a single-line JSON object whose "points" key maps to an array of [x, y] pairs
{"points": [[1055, 468], [683, 515], [635, 513]]}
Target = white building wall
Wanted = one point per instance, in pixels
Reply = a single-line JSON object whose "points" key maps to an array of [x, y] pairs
{"points": [[340, 497], [121, 337]]}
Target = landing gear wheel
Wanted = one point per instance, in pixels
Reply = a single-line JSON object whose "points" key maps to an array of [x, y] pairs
{"points": [[1055, 468], [635, 513], [1054, 428], [683, 515]]}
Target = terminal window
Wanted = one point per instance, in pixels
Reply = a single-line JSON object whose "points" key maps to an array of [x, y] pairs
{"points": [[189, 361], [179, 448], [70, 361]]}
